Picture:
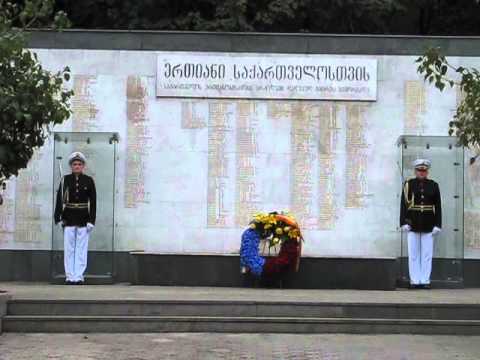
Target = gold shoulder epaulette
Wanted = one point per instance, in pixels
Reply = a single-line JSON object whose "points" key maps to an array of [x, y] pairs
{"points": [[408, 201]]}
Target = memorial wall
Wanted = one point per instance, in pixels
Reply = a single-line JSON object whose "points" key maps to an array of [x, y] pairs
{"points": [[208, 139]]}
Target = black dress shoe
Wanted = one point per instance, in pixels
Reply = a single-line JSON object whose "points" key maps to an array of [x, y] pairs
{"points": [[413, 286], [426, 286], [68, 282]]}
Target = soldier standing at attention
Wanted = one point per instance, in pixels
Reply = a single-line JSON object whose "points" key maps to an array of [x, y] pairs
{"points": [[421, 217], [75, 209]]}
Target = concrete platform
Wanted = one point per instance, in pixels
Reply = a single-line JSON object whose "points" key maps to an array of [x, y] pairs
{"points": [[45, 291], [126, 308]]}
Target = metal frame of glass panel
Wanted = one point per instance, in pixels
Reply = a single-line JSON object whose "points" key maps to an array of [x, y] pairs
{"points": [[100, 148], [448, 171]]}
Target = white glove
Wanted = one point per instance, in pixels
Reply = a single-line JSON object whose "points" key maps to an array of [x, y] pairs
{"points": [[90, 227], [436, 230], [406, 227]]}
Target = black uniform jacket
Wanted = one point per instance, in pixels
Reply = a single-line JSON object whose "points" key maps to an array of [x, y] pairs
{"points": [[421, 206], [77, 206]]}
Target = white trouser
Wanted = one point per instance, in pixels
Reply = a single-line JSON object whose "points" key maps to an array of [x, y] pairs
{"points": [[420, 253], [75, 252]]}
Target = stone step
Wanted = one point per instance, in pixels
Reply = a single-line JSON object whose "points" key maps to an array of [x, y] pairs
{"points": [[249, 309], [139, 324], [3, 306]]}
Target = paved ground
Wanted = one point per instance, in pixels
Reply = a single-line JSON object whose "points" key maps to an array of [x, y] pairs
{"points": [[124, 292], [242, 346]]}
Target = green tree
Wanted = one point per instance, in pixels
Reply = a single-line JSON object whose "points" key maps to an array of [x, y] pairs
{"points": [[31, 98], [437, 70], [339, 16], [335, 16], [423, 17]]}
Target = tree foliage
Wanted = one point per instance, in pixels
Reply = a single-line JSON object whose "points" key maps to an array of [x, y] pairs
{"points": [[423, 17], [31, 98], [438, 71]]}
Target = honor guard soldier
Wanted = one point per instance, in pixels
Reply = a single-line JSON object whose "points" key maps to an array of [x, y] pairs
{"points": [[421, 218], [75, 209]]}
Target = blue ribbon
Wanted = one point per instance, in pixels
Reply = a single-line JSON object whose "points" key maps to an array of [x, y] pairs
{"points": [[249, 252]]}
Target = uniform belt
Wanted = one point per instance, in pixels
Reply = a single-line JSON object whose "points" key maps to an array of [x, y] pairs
{"points": [[76, 205], [422, 208]]}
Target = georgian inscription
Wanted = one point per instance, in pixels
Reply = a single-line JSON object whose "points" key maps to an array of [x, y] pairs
{"points": [[138, 143], [229, 75], [220, 130], [247, 198]]}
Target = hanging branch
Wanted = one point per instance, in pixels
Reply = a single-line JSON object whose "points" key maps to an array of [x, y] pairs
{"points": [[466, 122], [32, 99]]}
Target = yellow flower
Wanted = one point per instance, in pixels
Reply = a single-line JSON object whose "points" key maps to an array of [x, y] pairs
{"points": [[253, 226], [278, 231], [275, 241], [295, 233], [260, 217], [286, 229]]}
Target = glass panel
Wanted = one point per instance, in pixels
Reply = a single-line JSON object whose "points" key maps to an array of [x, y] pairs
{"points": [[447, 171], [100, 151]]}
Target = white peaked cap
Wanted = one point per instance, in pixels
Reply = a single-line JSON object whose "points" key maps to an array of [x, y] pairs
{"points": [[77, 155], [419, 163]]}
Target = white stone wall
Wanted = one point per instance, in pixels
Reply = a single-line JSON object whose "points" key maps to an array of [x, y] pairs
{"points": [[190, 172]]}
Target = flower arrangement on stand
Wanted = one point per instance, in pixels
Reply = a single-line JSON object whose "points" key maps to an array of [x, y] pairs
{"points": [[278, 229]]}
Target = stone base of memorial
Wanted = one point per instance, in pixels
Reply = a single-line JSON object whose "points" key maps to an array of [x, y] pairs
{"points": [[223, 270]]}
